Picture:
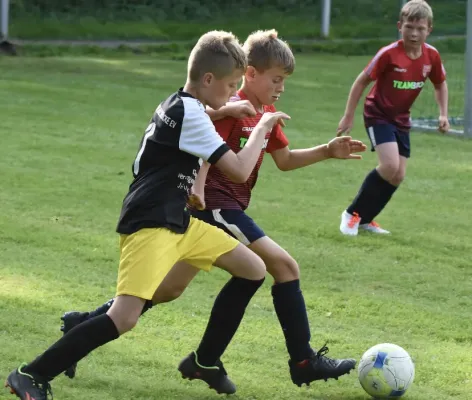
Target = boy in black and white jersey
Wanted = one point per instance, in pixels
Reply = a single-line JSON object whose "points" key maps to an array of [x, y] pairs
{"points": [[156, 229]]}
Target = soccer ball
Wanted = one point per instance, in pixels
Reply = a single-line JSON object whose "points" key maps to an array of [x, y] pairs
{"points": [[386, 371]]}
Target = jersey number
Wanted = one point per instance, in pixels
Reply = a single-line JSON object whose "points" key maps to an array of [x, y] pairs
{"points": [[147, 134]]}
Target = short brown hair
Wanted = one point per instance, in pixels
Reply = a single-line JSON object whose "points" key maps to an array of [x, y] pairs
{"points": [[265, 50], [415, 10], [218, 52]]}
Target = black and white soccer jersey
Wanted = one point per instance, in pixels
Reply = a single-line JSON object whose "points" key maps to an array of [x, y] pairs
{"points": [[179, 135]]}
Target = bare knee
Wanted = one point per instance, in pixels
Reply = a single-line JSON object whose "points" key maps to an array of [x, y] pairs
{"points": [[388, 171], [167, 294], [398, 178], [124, 323], [284, 269], [125, 312], [252, 267], [243, 263], [258, 269]]}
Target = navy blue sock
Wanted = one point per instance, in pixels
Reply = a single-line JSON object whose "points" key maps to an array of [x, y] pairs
{"points": [[290, 307], [372, 197], [226, 315], [106, 306], [73, 346]]}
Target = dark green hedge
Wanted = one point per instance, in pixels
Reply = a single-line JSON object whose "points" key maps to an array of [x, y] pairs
{"points": [[188, 19], [194, 9]]}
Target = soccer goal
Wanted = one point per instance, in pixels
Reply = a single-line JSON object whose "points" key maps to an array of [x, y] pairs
{"points": [[424, 115]]}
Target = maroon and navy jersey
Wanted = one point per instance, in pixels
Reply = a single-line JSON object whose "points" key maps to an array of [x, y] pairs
{"points": [[220, 191], [398, 82]]}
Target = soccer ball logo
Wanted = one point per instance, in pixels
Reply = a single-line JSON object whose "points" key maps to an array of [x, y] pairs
{"points": [[386, 371]]}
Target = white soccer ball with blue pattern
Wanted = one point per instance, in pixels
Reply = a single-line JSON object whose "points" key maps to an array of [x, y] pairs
{"points": [[386, 371]]}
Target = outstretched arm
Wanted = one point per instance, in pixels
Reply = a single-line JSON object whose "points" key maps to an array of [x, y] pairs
{"points": [[339, 147]]}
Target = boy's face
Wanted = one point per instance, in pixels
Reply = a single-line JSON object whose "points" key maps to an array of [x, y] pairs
{"points": [[268, 86], [414, 32], [217, 92]]}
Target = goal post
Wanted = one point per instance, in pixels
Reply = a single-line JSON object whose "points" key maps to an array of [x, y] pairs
{"points": [[325, 18], [6, 47], [4, 19]]}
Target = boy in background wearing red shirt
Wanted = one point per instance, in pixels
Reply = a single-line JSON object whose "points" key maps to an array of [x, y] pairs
{"points": [[399, 71]]}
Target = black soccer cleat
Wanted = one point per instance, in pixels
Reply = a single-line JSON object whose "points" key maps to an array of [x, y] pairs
{"points": [[319, 367], [70, 320], [216, 377], [26, 387]]}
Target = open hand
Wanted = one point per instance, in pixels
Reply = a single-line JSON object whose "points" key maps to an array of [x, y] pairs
{"points": [[345, 148], [270, 119]]}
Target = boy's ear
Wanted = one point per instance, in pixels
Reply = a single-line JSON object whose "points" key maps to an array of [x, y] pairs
{"points": [[207, 79], [399, 25], [250, 73]]}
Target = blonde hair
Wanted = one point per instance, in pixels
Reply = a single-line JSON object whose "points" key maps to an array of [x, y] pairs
{"points": [[415, 10], [264, 50], [217, 52]]}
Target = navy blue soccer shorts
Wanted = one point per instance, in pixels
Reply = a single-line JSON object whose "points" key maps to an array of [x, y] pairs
{"points": [[385, 133], [234, 222]]}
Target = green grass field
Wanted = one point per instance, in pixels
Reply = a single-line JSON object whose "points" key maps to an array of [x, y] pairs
{"points": [[69, 131]]}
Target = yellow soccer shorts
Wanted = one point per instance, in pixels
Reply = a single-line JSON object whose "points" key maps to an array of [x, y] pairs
{"points": [[148, 255]]}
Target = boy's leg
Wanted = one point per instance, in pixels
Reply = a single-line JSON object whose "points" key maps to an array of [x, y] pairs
{"points": [[305, 364], [145, 259], [71, 319], [30, 381], [171, 287], [214, 246], [376, 186], [240, 226], [287, 297], [175, 282], [392, 168]]}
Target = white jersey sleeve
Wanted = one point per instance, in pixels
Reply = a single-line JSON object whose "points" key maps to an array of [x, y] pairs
{"points": [[198, 136]]}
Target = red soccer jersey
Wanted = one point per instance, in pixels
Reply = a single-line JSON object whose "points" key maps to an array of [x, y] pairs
{"points": [[220, 192], [398, 82]]}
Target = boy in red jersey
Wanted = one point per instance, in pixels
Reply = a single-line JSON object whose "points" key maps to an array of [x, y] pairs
{"points": [[270, 62], [399, 71]]}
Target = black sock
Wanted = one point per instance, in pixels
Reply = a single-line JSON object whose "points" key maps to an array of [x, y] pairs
{"points": [[384, 197], [290, 308], [226, 315], [73, 346], [103, 309], [369, 196]]}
